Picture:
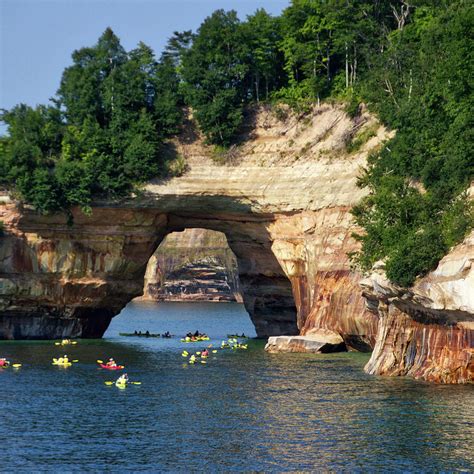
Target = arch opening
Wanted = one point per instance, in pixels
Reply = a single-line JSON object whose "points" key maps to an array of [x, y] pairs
{"points": [[193, 265], [76, 280], [236, 265]]}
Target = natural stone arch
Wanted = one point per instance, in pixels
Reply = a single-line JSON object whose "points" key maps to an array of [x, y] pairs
{"points": [[266, 290], [74, 279]]}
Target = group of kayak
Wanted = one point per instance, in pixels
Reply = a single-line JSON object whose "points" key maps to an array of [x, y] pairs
{"points": [[66, 342], [166, 334], [4, 364], [233, 343], [123, 381], [195, 337], [65, 361], [202, 356]]}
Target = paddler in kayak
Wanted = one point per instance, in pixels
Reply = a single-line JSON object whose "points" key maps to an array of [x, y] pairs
{"points": [[4, 362], [63, 360], [111, 363], [122, 380]]}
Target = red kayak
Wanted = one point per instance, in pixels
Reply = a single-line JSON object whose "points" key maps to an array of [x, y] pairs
{"points": [[117, 367]]}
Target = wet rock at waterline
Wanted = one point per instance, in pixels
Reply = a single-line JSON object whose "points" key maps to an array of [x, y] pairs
{"points": [[426, 331], [320, 342]]}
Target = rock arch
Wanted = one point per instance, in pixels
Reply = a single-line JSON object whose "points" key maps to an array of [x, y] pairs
{"points": [[284, 205], [69, 281]]}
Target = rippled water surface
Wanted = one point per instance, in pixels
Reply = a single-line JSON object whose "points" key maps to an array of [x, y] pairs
{"points": [[244, 410]]}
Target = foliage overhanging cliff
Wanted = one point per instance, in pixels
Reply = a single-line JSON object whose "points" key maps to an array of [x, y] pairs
{"points": [[410, 61]]}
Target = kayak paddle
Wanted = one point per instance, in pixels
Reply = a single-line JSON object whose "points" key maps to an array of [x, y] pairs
{"points": [[129, 383]]}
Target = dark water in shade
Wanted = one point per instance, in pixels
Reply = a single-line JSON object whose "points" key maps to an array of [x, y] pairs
{"points": [[245, 410]]}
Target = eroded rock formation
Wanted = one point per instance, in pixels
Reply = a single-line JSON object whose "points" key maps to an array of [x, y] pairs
{"points": [[193, 265], [283, 204], [320, 341], [427, 331]]}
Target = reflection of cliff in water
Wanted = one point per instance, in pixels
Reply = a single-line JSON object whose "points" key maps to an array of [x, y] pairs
{"points": [[194, 265]]}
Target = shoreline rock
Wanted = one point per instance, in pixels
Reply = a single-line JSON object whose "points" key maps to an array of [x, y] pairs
{"points": [[427, 331], [319, 342]]}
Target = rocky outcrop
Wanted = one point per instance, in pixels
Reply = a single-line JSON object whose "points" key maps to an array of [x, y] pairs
{"points": [[193, 265], [320, 341], [283, 205], [427, 331], [60, 280]]}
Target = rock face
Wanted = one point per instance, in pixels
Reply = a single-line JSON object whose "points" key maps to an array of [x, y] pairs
{"points": [[320, 341], [58, 280], [283, 204], [428, 331], [193, 265]]}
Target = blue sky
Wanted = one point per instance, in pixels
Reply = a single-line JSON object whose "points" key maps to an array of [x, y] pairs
{"points": [[37, 37]]}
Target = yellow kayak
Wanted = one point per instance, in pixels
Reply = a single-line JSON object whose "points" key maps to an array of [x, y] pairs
{"points": [[61, 363]]}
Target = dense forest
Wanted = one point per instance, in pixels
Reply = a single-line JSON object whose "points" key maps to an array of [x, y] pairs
{"points": [[409, 61]]}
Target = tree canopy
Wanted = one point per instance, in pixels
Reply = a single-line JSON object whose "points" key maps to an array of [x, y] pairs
{"points": [[101, 135]]}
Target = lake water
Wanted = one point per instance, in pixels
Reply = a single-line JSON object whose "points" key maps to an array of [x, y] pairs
{"points": [[243, 410]]}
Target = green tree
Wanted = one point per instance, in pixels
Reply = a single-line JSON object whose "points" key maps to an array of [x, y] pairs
{"points": [[421, 85], [216, 72], [103, 134], [262, 34]]}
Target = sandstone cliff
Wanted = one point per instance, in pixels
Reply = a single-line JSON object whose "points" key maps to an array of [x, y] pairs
{"points": [[283, 204], [193, 265], [426, 331]]}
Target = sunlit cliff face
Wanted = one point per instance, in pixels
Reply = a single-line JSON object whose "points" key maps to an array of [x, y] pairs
{"points": [[193, 265]]}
